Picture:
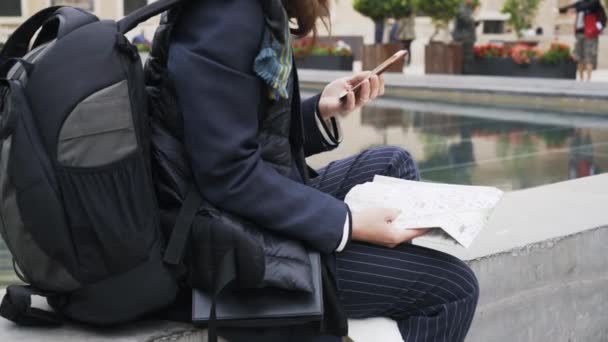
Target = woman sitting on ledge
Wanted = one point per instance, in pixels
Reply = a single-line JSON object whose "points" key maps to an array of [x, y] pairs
{"points": [[248, 134]]}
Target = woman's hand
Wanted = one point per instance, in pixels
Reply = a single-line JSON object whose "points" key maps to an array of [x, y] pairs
{"points": [[330, 104], [375, 226]]}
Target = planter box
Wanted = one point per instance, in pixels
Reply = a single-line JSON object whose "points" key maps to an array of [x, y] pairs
{"points": [[374, 55], [325, 62], [506, 67], [442, 58]]}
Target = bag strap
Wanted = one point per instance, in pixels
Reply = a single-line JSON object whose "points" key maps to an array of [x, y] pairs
{"points": [[17, 307], [8, 121], [182, 228], [18, 43], [142, 14], [225, 275]]}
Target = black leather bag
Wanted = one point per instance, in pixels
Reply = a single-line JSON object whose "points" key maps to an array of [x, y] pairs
{"points": [[264, 306]]}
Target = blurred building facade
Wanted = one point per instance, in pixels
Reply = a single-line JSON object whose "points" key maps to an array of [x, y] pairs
{"points": [[344, 19], [555, 26]]}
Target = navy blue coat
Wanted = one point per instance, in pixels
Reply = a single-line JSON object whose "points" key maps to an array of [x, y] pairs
{"points": [[211, 65]]}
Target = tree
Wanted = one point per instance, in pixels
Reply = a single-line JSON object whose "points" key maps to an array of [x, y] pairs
{"points": [[402, 8], [440, 11], [374, 9], [378, 9], [522, 14]]}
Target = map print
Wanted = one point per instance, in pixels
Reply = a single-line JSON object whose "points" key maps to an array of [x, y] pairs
{"points": [[459, 212]]}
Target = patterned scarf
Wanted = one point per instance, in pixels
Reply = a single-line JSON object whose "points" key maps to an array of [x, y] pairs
{"points": [[274, 61]]}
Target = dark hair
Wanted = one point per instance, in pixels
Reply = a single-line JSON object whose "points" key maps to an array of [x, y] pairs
{"points": [[306, 13]]}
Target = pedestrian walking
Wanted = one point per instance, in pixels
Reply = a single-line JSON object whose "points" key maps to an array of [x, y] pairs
{"points": [[405, 32], [589, 24], [464, 32]]}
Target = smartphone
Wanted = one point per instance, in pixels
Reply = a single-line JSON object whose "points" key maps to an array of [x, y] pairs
{"points": [[379, 70]]}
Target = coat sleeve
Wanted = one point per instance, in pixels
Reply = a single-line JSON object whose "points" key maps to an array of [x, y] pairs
{"points": [[319, 135], [211, 65], [581, 6]]}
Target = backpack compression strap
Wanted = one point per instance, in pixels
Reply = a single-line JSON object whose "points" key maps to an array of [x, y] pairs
{"points": [[183, 227], [17, 307]]}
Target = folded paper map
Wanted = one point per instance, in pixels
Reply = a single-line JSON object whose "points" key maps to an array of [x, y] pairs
{"points": [[459, 212]]}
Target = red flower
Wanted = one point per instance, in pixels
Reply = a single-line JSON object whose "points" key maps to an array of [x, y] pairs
{"points": [[523, 54]]}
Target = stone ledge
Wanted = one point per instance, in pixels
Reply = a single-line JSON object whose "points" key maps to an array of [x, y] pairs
{"points": [[542, 265], [519, 93]]}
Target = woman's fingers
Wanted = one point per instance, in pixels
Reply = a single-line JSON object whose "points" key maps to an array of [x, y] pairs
{"points": [[410, 234], [350, 104], [374, 83], [381, 91], [357, 78], [364, 93]]}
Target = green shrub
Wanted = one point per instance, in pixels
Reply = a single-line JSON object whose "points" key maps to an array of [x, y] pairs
{"points": [[556, 54]]}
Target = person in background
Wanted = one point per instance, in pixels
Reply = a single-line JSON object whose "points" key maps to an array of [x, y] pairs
{"points": [[587, 30], [529, 31], [405, 32], [379, 30], [540, 31], [464, 32]]}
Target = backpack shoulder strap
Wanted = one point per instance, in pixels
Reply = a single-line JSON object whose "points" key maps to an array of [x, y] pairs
{"points": [[18, 43], [183, 226], [17, 307], [144, 13]]}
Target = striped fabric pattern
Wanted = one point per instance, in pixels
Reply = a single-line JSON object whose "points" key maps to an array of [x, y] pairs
{"points": [[431, 295]]}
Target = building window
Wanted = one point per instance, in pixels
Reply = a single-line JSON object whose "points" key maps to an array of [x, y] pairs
{"points": [[88, 5], [132, 5], [493, 27], [10, 8]]}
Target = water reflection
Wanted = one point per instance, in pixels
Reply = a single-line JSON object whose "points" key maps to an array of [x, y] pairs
{"points": [[481, 150], [582, 161]]}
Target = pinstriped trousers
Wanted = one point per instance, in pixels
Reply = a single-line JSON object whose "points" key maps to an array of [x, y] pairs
{"points": [[431, 295]]}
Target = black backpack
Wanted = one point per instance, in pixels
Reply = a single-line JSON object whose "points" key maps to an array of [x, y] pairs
{"points": [[78, 209]]}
